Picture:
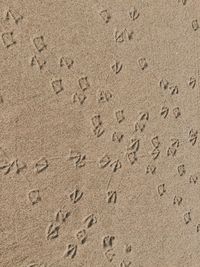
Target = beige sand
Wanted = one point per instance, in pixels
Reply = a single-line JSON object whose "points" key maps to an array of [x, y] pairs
{"points": [[99, 133]]}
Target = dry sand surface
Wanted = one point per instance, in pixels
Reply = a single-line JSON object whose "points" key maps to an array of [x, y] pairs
{"points": [[99, 133]]}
